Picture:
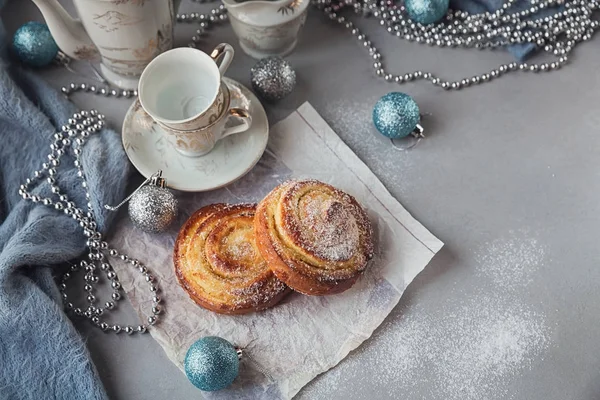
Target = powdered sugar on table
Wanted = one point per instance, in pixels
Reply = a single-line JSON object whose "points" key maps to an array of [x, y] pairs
{"points": [[474, 347]]}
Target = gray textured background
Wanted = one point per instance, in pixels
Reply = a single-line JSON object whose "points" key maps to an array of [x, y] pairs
{"points": [[508, 178]]}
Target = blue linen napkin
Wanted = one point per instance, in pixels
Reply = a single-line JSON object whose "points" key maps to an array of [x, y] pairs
{"points": [[41, 354]]}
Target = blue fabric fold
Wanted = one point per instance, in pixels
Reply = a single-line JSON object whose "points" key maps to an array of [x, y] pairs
{"points": [[520, 51], [42, 356]]}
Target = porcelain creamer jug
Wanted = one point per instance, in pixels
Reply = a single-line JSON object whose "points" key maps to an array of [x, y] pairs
{"points": [[267, 28], [124, 34]]}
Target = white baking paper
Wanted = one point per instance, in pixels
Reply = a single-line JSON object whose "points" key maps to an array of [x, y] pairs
{"points": [[287, 346]]}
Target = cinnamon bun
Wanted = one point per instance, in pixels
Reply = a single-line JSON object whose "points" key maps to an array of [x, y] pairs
{"points": [[218, 264], [317, 239]]}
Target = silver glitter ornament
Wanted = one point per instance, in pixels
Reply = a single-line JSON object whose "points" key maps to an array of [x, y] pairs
{"points": [[273, 78], [152, 207]]}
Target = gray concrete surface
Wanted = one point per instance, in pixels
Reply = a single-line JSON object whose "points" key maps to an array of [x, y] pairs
{"points": [[508, 178]]}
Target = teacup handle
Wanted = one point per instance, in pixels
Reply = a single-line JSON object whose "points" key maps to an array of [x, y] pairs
{"points": [[227, 52], [244, 116]]}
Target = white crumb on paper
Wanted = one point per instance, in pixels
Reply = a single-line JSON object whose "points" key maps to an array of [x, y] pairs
{"points": [[471, 348]]}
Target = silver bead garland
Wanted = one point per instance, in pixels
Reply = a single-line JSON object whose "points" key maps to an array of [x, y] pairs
{"points": [[556, 34], [101, 91], [72, 137]]}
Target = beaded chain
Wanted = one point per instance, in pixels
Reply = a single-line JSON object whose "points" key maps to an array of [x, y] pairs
{"points": [[556, 34], [71, 138]]}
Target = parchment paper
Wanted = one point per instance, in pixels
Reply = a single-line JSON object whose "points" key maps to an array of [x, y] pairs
{"points": [[287, 346]]}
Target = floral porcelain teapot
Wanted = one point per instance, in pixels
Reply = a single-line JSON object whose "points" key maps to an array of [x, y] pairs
{"points": [[124, 34], [267, 28]]}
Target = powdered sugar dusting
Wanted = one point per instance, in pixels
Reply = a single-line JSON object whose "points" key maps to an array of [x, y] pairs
{"points": [[333, 227], [492, 343], [326, 222], [472, 347], [237, 245], [348, 115], [260, 292], [521, 259]]}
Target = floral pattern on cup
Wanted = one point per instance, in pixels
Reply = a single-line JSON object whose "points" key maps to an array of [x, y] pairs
{"points": [[198, 142]]}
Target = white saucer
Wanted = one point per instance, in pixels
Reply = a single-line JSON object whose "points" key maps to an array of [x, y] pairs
{"points": [[233, 157]]}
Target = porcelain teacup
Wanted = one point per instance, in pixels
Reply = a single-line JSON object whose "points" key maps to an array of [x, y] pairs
{"points": [[183, 92], [182, 89]]}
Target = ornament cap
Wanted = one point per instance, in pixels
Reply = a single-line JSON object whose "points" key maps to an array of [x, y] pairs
{"points": [[417, 135], [157, 179], [418, 131]]}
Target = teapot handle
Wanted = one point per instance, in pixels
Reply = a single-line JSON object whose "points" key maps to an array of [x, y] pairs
{"points": [[227, 52]]}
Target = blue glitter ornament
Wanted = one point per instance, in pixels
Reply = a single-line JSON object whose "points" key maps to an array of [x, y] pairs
{"points": [[426, 11], [211, 363], [34, 45], [396, 115]]}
